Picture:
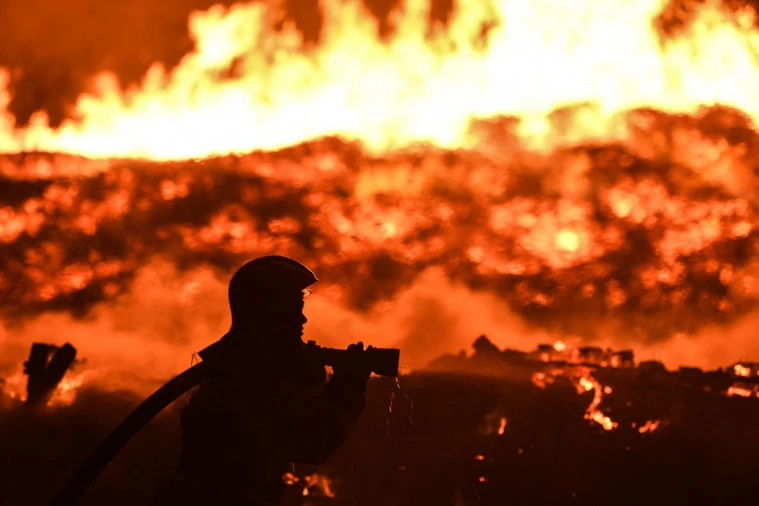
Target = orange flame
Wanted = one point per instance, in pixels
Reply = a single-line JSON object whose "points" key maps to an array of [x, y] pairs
{"points": [[246, 86], [741, 370], [649, 426], [14, 386], [65, 392]]}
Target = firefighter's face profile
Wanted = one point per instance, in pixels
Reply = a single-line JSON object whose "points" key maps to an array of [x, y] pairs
{"points": [[286, 316]]}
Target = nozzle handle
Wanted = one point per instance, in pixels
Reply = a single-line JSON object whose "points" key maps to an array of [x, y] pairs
{"points": [[381, 361]]}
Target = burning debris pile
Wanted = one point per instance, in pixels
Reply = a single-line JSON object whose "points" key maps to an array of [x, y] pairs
{"points": [[631, 214], [746, 375], [582, 366], [435, 436]]}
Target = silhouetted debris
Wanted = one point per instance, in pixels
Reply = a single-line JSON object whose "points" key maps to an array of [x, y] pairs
{"points": [[591, 353], [483, 347], [546, 455], [44, 373], [544, 352], [626, 358], [609, 365], [652, 368], [448, 362], [514, 356]]}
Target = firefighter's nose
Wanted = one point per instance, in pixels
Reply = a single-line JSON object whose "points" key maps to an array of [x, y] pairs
{"points": [[303, 318]]}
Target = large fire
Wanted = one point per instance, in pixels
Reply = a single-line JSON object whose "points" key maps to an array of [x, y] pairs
{"points": [[246, 86], [581, 163]]}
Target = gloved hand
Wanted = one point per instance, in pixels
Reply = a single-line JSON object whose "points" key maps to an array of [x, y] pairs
{"points": [[354, 368]]}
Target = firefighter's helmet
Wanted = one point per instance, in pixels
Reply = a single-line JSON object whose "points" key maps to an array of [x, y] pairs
{"points": [[268, 280]]}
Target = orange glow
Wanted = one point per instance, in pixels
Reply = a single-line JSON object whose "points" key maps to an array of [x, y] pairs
{"points": [[290, 478], [320, 483], [540, 379], [502, 426], [14, 386], [65, 393], [567, 240]]}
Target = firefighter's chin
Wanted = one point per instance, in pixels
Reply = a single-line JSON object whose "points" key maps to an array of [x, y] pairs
{"points": [[289, 335]]}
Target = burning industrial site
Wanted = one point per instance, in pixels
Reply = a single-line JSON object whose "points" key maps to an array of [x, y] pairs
{"points": [[576, 183]]}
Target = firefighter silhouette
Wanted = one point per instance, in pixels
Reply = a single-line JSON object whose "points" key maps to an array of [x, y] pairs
{"points": [[270, 404]]}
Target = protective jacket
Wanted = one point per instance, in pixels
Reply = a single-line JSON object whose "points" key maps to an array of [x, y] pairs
{"points": [[265, 408]]}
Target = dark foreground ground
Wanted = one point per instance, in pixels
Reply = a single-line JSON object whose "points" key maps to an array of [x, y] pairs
{"points": [[418, 444]]}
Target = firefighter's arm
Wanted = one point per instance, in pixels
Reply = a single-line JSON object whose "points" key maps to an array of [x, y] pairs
{"points": [[318, 429]]}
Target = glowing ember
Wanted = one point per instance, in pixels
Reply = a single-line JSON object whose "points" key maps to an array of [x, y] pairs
{"points": [[601, 419], [502, 426], [318, 484], [290, 478], [740, 390], [587, 383], [541, 379], [649, 426], [741, 370], [583, 382]]}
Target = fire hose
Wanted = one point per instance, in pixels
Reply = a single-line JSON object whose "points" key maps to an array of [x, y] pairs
{"points": [[381, 361]]}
